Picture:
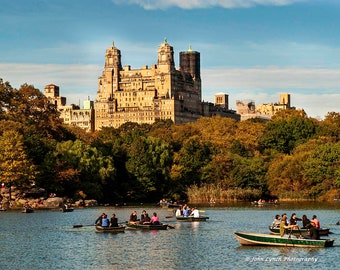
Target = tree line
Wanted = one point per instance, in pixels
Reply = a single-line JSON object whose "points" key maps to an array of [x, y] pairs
{"points": [[292, 156]]}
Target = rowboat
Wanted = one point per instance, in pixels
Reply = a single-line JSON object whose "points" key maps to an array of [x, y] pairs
{"points": [[101, 229], [70, 209], [276, 230], [136, 226], [260, 239], [27, 210], [191, 218]]}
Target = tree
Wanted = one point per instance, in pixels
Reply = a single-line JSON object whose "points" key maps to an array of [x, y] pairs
{"points": [[217, 171], [330, 127], [149, 161], [286, 131], [322, 168], [15, 167], [190, 161], [249, 172], [6, 95], [81, 167], [248, 134]]}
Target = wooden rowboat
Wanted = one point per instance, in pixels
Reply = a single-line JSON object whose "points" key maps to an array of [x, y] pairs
{"points": [[119, 229], [27, 210], [276, 230], [191, 218], [136, 226], [260, 239], [70, 209]]}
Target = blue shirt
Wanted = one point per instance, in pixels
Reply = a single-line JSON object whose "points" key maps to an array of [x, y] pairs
{"points": [[105, 222]]}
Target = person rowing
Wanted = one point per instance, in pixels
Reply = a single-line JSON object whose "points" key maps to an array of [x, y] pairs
{"points": [[284, 226], [195, 213], [293, 220]]}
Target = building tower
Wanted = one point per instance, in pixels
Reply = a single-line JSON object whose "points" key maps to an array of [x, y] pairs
{"points": [[285, 100], [222, 101], [190, 63], [51, 91], [108, 83], [165, 61]]}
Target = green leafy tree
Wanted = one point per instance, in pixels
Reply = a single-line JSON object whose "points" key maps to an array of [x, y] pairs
{"points": [[6, 95], [149, 161], [322, 168], [217, 171], [249, 172], [285, 132], [15, 167], [80, 166], [189, 163], [330, 127]]}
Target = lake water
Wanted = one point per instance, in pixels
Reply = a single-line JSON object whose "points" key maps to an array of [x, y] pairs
{"points": [[46, 239]]}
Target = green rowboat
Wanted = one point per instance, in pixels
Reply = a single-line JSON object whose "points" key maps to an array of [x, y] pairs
{"points": [[260, 239], [276, 230], [191, 218], [119, 229], [136, 226]]}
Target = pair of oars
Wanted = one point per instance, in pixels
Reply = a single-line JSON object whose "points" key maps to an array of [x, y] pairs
{"points": [[89, 225]]}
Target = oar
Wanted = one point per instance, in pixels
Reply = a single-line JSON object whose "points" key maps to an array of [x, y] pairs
{"points": [[201, 211], [89, 225], [299, 231], [169, 216], [80, 225], [290, 234], [171, 227]]}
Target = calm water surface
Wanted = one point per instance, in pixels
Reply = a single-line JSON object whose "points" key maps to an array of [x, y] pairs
{"points": [[47, 240]]}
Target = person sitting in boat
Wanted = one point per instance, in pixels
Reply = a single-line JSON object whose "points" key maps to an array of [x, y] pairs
{"points": [[284, 227], [315, 222], [113, 221], [178, 212], [105, 221], [27, 206], [65, 206], [294, 219], [185, 211], [147, 219], [154, 220], [99, 220], [142, 217], [305, 222], [314, 232], [133, 217], [284, 215], [194, 212], [276, 221]]}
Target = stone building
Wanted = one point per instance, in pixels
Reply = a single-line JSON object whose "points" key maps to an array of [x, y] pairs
{"points": [[272, 108], [150, 93], [247, 109], [71, 114], [144, 95]]}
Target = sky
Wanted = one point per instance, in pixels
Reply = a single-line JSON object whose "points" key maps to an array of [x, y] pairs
{"points": [[250, 49]]}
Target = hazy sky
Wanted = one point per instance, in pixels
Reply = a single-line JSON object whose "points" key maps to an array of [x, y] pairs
{"points": [[250, 49]]}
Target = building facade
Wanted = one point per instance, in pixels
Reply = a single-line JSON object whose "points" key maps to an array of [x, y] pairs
{"points": [[144, 95], [71, 114], [150, 93], [247, 109]]}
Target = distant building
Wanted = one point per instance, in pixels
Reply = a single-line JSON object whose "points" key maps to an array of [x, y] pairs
{"points": [[71, 114], [147, 94], [247, 109], [144, 95]]}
